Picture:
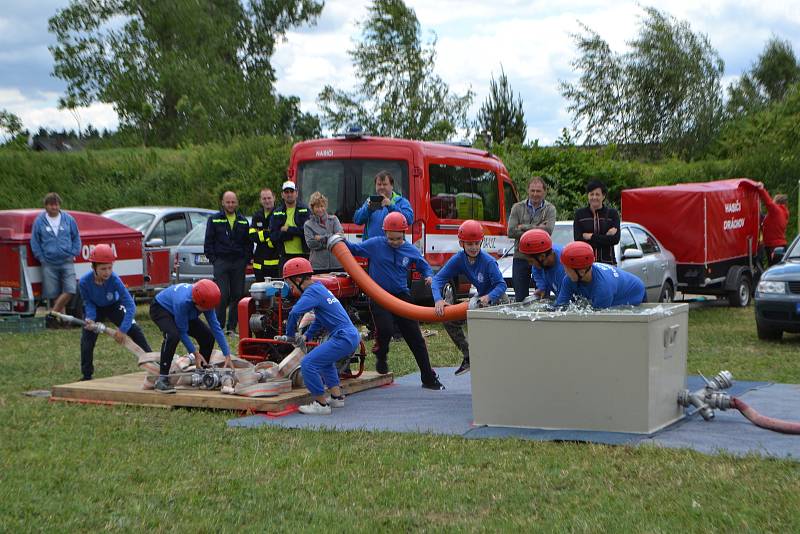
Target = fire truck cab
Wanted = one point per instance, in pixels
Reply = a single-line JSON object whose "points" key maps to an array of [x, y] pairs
{"points": [[446, 184]]}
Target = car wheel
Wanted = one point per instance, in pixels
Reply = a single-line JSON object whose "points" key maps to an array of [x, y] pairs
{"points": [[667, 292], [740, 297], [766, 333]]}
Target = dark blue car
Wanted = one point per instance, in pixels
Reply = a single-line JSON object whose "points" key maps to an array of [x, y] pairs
{"points": [[778, 296]]}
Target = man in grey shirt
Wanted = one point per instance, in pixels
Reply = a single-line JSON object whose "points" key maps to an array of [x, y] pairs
{"points": [[533, 212]]}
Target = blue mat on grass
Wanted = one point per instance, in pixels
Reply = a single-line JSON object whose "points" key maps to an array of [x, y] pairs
{"points": [[405, 407]]}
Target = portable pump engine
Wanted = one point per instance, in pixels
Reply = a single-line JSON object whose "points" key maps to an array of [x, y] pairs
{"points": [[262, 318]]}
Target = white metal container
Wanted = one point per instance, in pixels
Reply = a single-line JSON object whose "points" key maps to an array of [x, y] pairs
{"points": [[608, 370]]}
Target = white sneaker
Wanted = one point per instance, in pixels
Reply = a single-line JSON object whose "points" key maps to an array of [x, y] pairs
{"points": [[316, 408], [336, 403]]}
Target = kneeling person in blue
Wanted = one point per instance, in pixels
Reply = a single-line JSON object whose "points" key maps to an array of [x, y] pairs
{"points": [[176, 311], [603, 285], [546, 269], [481, 269], [389, 260], [105, 297], [319, 365]]}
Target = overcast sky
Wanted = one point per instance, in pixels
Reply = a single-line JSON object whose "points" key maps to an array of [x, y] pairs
{"points": [[531, 39]]}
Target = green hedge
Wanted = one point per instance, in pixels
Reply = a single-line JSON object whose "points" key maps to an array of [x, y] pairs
{"points": [[97, 180]]}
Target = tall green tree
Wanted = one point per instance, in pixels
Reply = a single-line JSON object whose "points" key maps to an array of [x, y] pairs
{"points": [[14, 135], [399, 94], [767, 81], [501, 114], [179, 71], [664, 92]]}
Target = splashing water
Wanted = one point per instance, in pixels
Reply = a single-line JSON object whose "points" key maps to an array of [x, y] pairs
{"points": [[538, 309]]}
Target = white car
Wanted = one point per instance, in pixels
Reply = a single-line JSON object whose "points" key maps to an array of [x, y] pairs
{"points": [[638, 253]]}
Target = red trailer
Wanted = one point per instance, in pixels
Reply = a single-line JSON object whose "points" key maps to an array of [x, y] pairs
{"points": [[141, 269], [712, 229]]}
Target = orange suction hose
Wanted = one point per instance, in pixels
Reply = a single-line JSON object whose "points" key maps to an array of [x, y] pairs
{"points": [[457, 312]]}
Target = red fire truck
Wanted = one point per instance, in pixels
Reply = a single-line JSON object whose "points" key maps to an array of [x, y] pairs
{"points": [[445, 183], [141, 270]]}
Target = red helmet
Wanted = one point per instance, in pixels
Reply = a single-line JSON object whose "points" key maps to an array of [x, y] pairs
{"points": [[535, 242], [296, 267], [577, 255], [205, 294], [470, 231], [395, 222], [102, 254]]}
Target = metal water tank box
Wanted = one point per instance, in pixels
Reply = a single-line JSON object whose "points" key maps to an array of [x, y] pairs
{"points": [[609, 370]]}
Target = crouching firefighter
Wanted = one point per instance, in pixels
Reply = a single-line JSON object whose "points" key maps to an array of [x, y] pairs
{"points": [[545, 259], [176, 311], [603, 285], [481, 270], [319, 365], [105, 297]]}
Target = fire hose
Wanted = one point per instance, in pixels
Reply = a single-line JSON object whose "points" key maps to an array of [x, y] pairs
{"points": [[711, 397], [247, 380], [457, 312]]}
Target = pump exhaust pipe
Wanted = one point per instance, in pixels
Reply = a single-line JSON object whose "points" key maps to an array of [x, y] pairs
{"points": [[457, 312]]}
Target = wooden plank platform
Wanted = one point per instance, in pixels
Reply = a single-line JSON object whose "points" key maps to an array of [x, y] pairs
{"points": [[127, 389]]}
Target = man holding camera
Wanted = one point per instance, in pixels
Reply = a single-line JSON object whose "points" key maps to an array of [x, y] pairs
{"points": [[385, 201]]}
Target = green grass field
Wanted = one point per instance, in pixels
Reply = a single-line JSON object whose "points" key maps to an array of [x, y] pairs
{"points": [[82, 468]]}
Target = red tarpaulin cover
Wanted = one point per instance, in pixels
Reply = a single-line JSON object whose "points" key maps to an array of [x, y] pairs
{"points": [[699, 223]]}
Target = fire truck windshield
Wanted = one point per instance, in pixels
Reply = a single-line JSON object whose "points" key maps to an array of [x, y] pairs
{"points": [[348, 182]]}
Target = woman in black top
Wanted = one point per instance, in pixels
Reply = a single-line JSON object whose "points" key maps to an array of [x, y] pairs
{"points": [[598, 224]]}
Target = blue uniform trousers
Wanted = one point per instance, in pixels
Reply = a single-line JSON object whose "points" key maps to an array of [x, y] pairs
{"points": [[319, 365]]}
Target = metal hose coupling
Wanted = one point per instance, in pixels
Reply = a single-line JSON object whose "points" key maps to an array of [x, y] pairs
{"points": [[709, 397], [335, 238]]}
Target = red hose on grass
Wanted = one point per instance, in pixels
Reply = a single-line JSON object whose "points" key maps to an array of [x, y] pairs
{"points": [[402, 308], [770, 423]]}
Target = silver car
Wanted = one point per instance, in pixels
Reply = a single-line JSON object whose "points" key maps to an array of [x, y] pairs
{"points": [[638, 253], [191, 264]]}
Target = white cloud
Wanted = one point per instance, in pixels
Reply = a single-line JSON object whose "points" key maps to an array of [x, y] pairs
{"points": [[41, 110]]}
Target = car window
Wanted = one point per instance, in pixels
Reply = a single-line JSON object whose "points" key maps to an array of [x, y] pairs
{"points": [[648, 243], [135, 219], [197, 236], [463, 193], [626, 240], [562, 234], [171, 229], [196, 218]]}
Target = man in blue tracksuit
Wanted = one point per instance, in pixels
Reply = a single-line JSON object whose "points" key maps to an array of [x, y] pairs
{"points": [[372, 213], [105, 297], [480, 269], [603, 285], [319, 365], [55, 242], [389, 260], [176, 311], [545, 259]]}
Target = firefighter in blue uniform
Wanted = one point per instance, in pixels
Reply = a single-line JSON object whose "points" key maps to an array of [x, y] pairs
{"points": [[176, 312], [603, 285], [390, 257], [319, 365], [545, 259], [481, 270], [105, 297]]}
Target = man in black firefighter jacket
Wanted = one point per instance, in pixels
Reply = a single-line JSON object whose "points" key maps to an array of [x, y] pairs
{"points": [[266, 254], [228, 248], [286, 228]]}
